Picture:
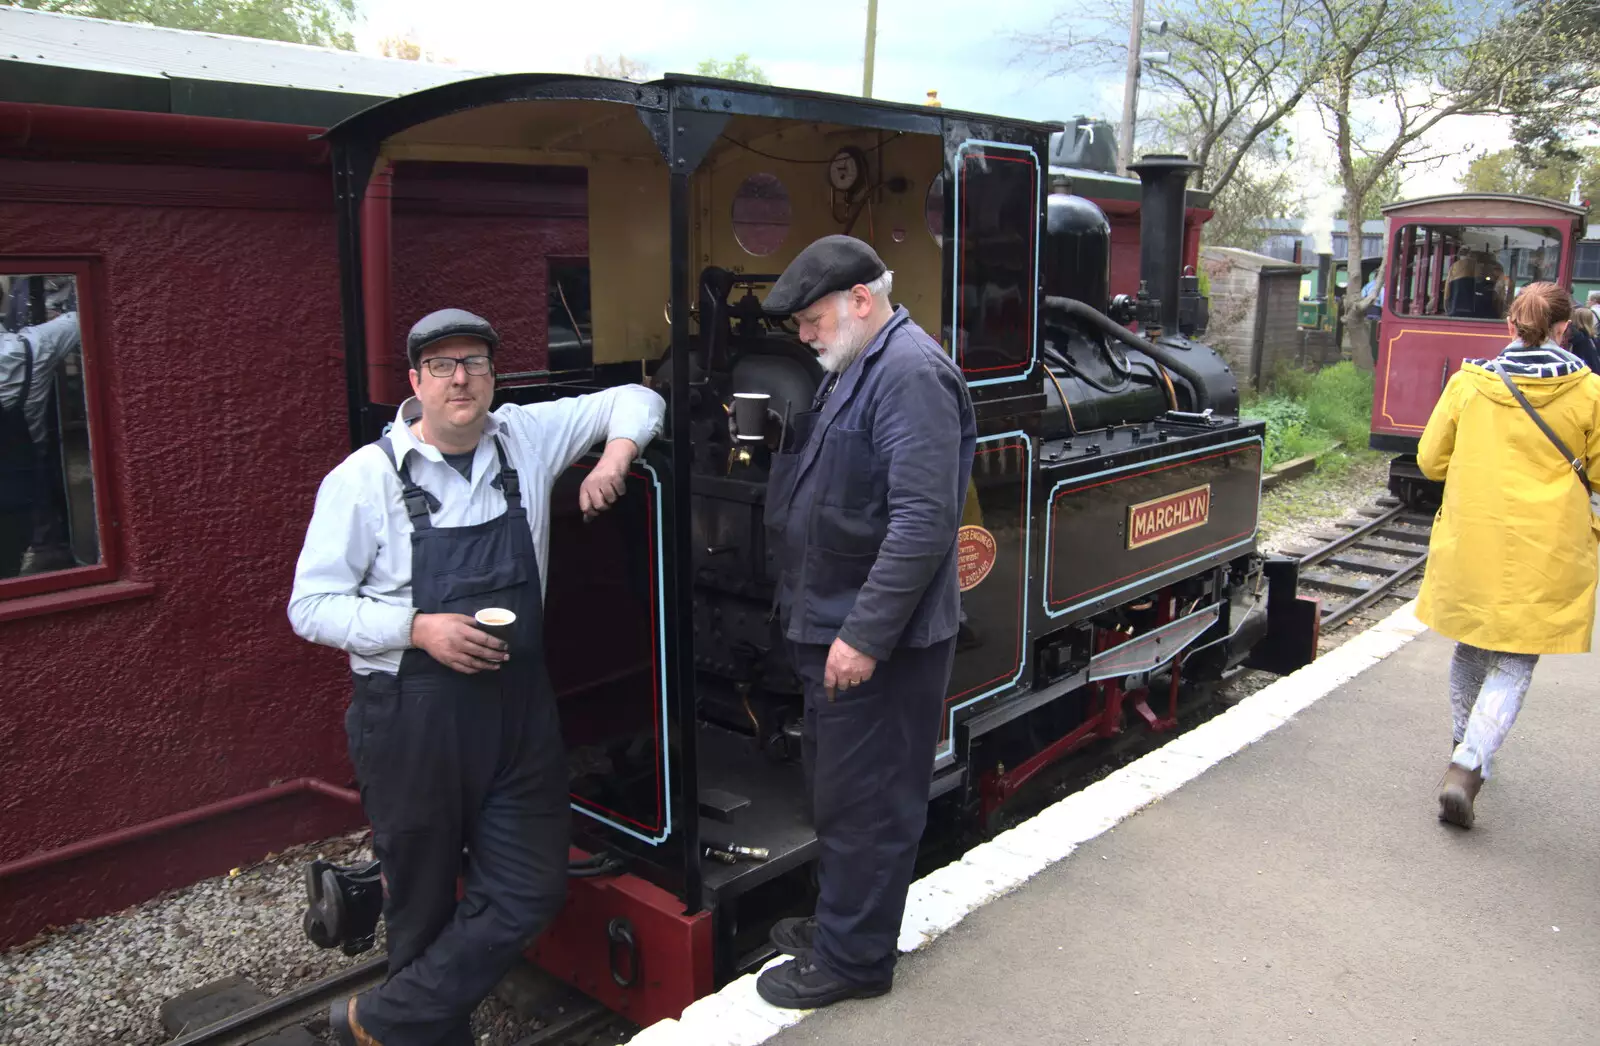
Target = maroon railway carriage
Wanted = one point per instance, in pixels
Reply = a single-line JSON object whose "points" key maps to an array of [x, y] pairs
{"points": [[1454, 263]]}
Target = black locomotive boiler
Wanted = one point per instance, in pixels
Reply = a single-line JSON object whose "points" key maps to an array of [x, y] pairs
{"points": [[1107, 551]]}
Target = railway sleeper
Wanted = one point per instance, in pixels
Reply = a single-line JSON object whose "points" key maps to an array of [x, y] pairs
{"points": [[1363, 564], [1396, 548], [1412, 538], [1354, 586]]}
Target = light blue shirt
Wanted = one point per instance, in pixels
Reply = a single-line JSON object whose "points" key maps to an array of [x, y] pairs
{"points": [[352, 584], [50, 344]]}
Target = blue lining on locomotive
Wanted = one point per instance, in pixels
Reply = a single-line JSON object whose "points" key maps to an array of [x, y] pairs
{"points": [[1184, 565], [661, 667], [945, 750]]}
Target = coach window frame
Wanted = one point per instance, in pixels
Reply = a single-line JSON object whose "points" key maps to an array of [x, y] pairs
{"points": [[1419, 254], [86, 271]]}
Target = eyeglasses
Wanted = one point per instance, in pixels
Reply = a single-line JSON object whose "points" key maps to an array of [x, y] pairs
{"points": [[445, 366]]}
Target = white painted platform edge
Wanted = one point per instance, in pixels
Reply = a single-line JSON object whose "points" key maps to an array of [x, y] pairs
{"points": [[737, 1016]]}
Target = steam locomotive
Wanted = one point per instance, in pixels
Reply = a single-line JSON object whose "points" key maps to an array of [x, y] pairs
{"points": [[1107, 552]]}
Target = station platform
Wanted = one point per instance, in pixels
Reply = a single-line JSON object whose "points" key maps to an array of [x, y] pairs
{"points": [[1277, 874]]}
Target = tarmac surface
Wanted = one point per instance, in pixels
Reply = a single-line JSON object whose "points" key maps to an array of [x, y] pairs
{"points": [[1300, 891]]}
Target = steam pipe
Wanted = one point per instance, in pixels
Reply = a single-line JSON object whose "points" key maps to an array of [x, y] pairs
{"points": [[1162, 180], [1111, 328]]}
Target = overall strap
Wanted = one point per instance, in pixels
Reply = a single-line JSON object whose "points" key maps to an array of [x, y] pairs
{"points": [[27, 373], [509, 483], [418, 502]]}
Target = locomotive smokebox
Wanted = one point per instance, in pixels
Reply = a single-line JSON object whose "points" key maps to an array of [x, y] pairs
{"points": [[1077, 251], [1164, 178]]}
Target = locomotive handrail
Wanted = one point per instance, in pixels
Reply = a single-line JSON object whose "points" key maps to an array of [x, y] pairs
{"points": [[1079, 310]]}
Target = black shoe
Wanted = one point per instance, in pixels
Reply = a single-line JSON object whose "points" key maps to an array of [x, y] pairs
{"points": [[794, 936], [801, 984]]}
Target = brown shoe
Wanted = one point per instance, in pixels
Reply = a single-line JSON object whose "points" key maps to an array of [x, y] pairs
{"points": [[347, 1030], [1456, 794]]}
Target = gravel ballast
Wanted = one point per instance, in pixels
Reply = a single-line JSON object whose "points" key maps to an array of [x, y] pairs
{"points": [[103, 980]]}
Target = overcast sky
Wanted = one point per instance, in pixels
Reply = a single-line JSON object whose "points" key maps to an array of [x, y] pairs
{"points": [[964, 50], [959, 48]]}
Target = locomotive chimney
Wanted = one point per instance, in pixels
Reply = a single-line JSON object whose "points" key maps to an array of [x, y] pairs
{"points": [[1164, 178]]}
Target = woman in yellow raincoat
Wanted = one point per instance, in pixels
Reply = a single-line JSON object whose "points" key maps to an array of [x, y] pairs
{"points": [[1511, 562]]}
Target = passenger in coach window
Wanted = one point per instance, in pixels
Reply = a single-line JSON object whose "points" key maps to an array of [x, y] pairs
{"points": [[1511, 560], [31, 526], [418, 546], [863, 503]]}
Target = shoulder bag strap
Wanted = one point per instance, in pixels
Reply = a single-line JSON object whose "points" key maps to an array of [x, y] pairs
{"points": [[1572, 460]]}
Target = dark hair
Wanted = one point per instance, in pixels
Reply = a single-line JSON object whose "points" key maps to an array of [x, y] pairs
{"points": [[1537, 310]]}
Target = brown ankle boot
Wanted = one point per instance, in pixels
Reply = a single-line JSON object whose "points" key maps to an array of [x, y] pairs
{"points": [[1456, 794]]}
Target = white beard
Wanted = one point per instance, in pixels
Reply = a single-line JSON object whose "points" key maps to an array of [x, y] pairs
{"points": [[848, 341]]}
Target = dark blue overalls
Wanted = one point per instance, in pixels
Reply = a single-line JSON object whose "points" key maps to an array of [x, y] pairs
{"points": [[19, 480], [448, 761]]}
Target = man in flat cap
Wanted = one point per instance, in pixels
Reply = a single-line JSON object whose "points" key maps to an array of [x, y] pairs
{"points": [[453, 732], [864, 505]]}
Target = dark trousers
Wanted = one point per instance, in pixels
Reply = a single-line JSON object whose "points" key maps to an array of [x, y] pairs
{"points": [[442, 768], [869, 763]]}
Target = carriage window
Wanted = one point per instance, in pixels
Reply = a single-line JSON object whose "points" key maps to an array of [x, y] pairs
{"points": [[761, 214], [933, 209], [47, 491], [1587, 261], [1469, 272]]}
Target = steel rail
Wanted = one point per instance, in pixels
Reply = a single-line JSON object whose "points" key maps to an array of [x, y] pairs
{"points": [[1370, 592], [290, 1008], [1342, 613], [1365, 530]]}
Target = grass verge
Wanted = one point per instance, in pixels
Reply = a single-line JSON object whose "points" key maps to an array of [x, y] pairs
{"points": [[1308, 413]]}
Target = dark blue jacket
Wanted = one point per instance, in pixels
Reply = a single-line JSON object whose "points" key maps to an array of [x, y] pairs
{"points": [[1581, 345], [864, 515]]}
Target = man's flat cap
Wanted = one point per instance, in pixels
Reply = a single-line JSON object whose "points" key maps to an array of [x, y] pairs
{"points": [[448, 323], [833, 263]]}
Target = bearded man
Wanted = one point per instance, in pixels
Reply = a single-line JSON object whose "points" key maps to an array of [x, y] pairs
{"points": [[863, 505]]}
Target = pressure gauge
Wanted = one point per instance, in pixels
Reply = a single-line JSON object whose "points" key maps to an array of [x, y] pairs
{"points": [[847, 168]]}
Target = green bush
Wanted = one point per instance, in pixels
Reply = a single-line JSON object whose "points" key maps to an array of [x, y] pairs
{"points": [[1339, 402], [1307, 413]]}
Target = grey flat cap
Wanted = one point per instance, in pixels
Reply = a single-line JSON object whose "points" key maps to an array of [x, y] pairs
{"points": [[448, 323]]}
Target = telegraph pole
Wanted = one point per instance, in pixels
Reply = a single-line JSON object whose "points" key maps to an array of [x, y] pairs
{"points": [[872, 44], [1130, 90]]}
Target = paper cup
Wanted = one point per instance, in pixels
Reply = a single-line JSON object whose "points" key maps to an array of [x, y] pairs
{"points": [[750, 414], [496, 622]]}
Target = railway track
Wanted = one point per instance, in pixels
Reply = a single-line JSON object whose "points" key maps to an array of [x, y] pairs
{"points": [[565, 1018], [1362, 561]]}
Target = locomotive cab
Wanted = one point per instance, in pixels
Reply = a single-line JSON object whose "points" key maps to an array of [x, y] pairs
{"points": [[1108, 545]]}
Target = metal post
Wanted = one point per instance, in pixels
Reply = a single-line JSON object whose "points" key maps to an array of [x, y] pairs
{"points": [[1130, 90], [872, 44]]}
